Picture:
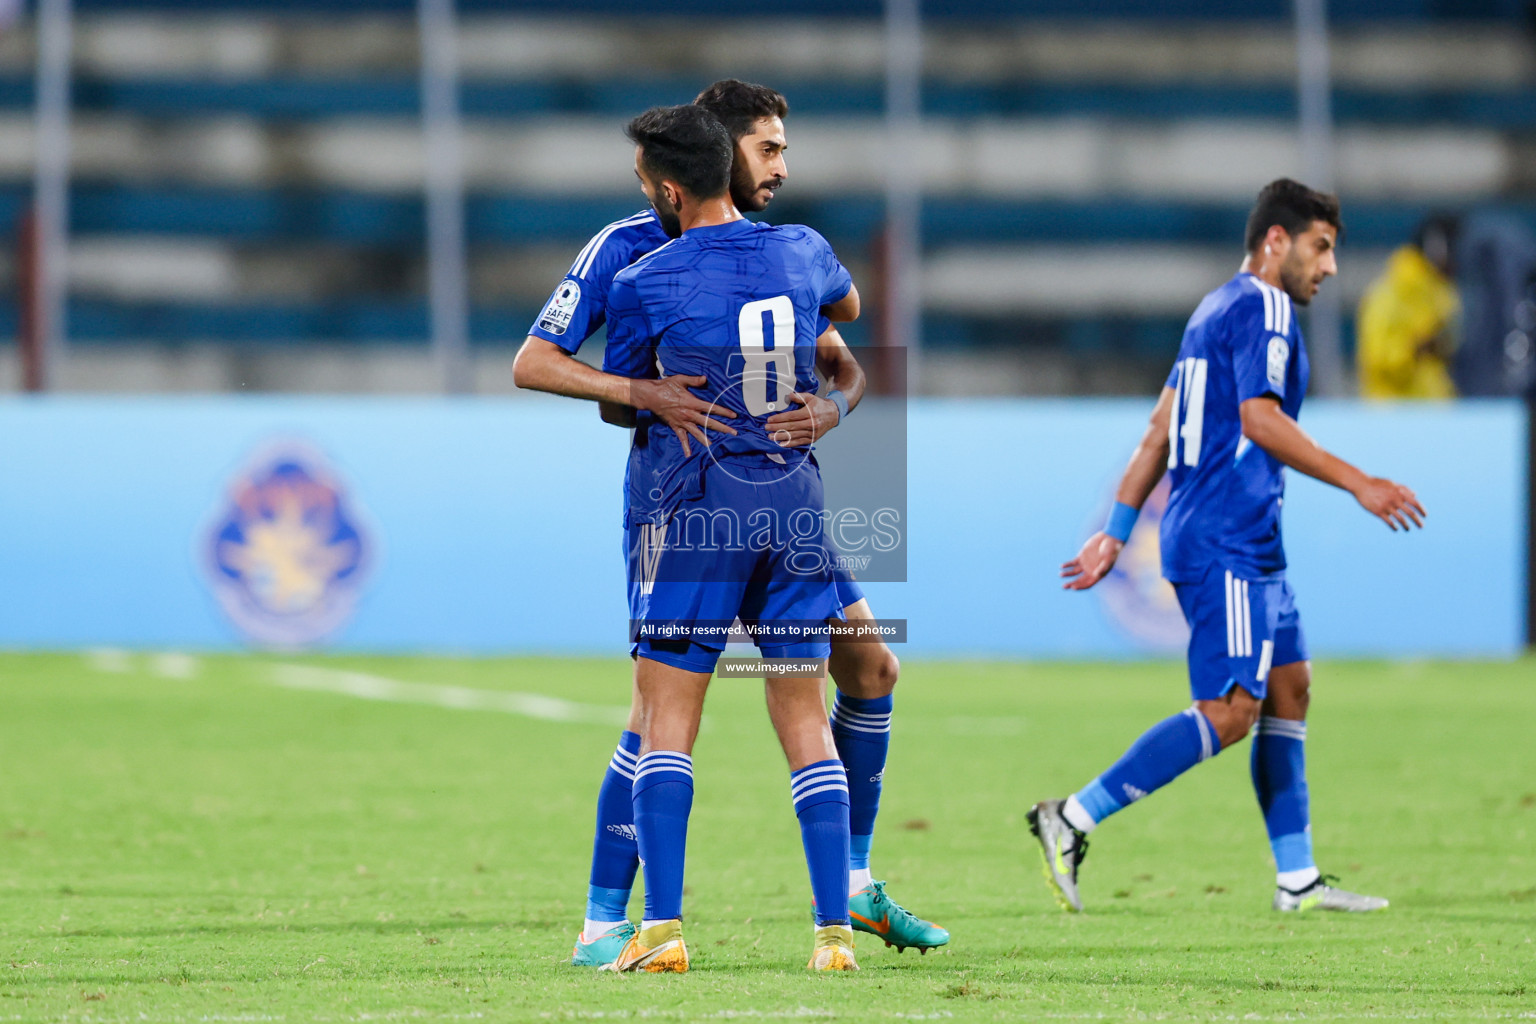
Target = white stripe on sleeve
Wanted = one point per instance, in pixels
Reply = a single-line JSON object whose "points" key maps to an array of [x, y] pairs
{"points": [[588, 256]]}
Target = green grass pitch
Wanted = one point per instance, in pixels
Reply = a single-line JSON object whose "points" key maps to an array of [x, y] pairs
{"points": [[223, 839]]}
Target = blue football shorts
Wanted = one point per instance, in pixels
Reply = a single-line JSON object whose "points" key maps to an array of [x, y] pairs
{"points": [[751, 547], [1239, 630], [848, 590]]}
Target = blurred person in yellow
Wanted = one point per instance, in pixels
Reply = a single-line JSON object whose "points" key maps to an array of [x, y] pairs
{"points": [[1408, 318]]}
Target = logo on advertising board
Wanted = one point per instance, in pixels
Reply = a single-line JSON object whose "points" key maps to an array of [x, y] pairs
{"points": [[287, 552], [1135, 596]]}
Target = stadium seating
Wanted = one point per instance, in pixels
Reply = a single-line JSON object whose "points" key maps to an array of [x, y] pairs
{"points": [[248, 176]]}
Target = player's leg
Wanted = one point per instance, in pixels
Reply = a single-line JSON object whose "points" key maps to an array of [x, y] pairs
{"points": [[865, 674], [669, 587], [790, 587], [672, 680], [818, 785], [1227, 673], [1279, 768], [615, 854]]}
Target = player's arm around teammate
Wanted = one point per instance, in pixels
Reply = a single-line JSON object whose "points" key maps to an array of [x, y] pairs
{"points": [[544, 366], [814, 415]]}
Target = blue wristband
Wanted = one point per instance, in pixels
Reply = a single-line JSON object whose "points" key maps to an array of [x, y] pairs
{"points": [[840, 400], [1122, 519]]}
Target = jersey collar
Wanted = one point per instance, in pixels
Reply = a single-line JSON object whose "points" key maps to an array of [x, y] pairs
{"points": [[725, 230]]}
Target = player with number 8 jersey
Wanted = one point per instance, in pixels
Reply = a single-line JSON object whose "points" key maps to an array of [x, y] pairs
{"points": [[864, 673], [731, 528], [735, 303], [738, 304]]}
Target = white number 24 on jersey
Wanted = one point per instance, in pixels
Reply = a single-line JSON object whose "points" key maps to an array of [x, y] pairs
{"points": [[1187, 423], [762, 366]]}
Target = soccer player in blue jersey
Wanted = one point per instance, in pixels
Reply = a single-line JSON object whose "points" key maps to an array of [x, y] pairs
{"points": [[865, 672], [1224, 430], [730, 529]]}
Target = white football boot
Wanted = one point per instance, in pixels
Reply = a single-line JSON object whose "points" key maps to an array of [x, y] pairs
{"points": [[1322, 896]]}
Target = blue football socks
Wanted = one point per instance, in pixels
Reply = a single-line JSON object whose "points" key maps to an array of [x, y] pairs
{"points": [[862, 731], [615, 855], [663, 796], [820, 793], [1161, 754], [1279, 767]]}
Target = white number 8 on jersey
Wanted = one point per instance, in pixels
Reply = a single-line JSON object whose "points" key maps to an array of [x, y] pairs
{"points": [[762, 366]]}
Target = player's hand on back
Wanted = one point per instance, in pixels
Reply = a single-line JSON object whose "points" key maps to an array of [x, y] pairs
{"points": [[687, 414], [1391, 502], [805, 423], [1092, 563]]}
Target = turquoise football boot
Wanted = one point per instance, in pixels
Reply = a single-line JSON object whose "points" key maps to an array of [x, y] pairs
{"points": [[604, 949], [872, 911]]}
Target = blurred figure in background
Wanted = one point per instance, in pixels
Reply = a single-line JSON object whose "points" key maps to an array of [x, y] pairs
{"points": [[1495, 267], [1408, 322]]}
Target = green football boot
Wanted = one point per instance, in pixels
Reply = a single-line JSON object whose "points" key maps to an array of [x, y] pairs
{"points": [[604, 949], [872, 911]]}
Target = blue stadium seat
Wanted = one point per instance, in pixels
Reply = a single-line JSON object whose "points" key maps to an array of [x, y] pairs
{"points": [[1207, 10], [299, 99], [260, 216]]}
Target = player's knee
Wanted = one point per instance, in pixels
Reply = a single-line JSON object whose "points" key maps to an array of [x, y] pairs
{"points": [[870, 676], [1290, 691], [1231, 728], [1301, 697], [1300, 691], [1241, 718], [885, 673], [1232, 719]]}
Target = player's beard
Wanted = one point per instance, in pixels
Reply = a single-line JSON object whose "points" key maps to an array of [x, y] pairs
{"points": [[666, 213], [1295, 281], [744, 190]]}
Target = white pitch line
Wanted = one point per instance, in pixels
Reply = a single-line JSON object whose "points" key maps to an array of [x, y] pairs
{"points": [[366, 686], [109, 659], [174, 665]]}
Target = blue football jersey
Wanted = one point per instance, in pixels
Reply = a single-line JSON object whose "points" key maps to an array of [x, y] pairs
{"points": [[1224, 508], [738, 304], [577, 307]]}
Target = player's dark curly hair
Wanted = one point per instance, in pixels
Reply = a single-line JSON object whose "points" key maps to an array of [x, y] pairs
{"points": [[740, 105], [1294, 207], [685, 144]]}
